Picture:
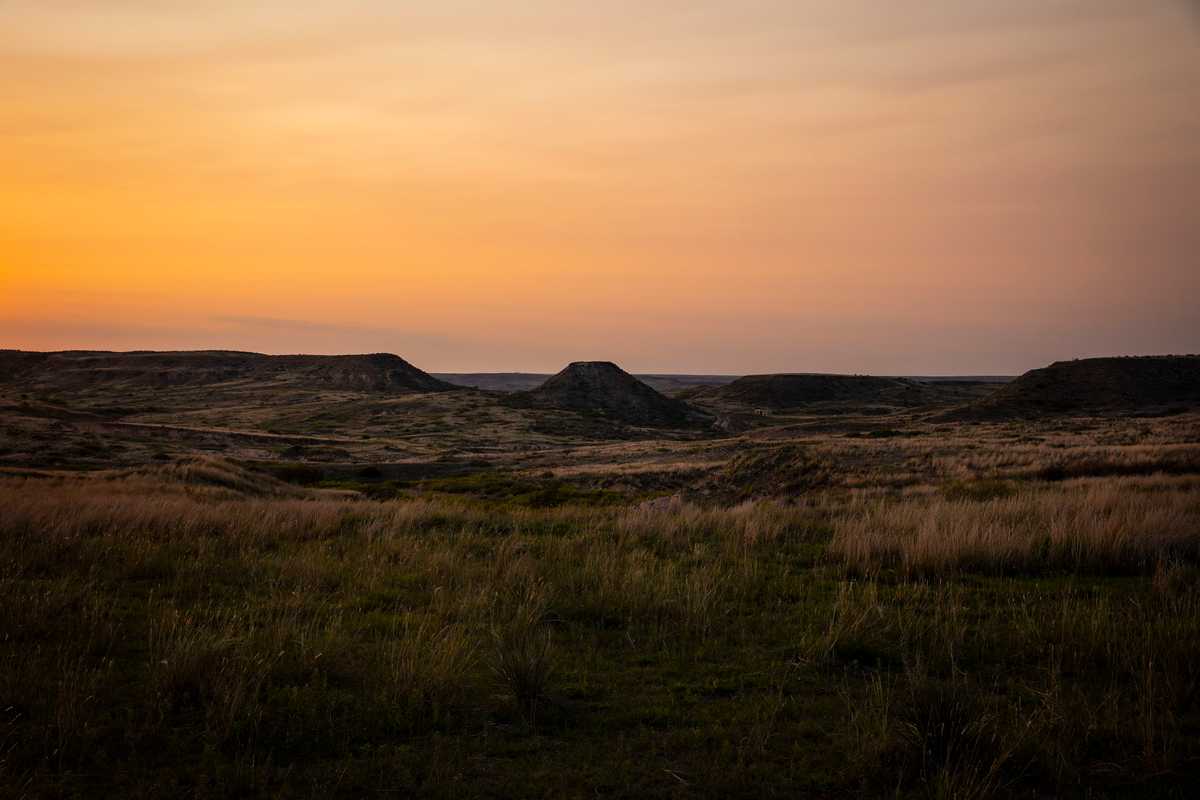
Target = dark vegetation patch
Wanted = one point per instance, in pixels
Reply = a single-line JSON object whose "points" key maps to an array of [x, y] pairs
{"points": [[300, 474], [883, 433], [516, 490], [584, 426], [400, 472], [781, 471], [978, 490], [651, 482], [391, 481], [1186, 462]]}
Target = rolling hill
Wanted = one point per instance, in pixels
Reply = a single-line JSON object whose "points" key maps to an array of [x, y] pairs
{"points": [[799, 391], [74, 371], [603, 389], [1141, 384]]}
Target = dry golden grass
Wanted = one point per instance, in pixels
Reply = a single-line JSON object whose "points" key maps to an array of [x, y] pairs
{"points": [[1114, 525], [923, 625]]}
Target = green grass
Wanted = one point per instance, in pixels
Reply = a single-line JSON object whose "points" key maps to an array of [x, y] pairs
{"points": [[166, 643]]}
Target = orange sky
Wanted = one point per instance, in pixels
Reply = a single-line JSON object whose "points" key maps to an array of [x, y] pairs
{"points": [[936, 186]]}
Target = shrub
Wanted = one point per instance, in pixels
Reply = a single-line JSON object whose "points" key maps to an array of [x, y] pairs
{"points": [[522, 648], [978, 490]]}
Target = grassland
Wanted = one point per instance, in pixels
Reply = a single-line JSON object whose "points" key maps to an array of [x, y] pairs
{"points": [[954, 611]]}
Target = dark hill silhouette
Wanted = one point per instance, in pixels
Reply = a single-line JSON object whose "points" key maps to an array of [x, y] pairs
{"points": [[796, 390], [668, 384], [15, 364], [602, 388], [83, 370], [1136, 384]]}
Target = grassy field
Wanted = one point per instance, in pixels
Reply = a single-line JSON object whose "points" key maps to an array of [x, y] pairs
{"points": [[912, 616]]}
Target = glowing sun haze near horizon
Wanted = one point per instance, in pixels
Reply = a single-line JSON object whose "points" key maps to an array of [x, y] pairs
{"points": [[933, 187]]}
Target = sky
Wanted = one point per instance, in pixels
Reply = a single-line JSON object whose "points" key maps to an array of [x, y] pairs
{"points": [[918, 187]]}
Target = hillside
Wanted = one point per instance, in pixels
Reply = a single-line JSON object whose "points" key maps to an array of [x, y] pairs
{"points": [[1143, 384], [604, 389], [74, 371], [800, 390]]}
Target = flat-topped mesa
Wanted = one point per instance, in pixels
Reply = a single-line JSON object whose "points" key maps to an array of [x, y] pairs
{"points": [[1132, 384], [81, 370], [794, 390], [603, 388]]}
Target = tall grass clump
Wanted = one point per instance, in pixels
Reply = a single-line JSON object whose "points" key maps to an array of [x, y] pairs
{"points": [[523, 656], [945, 737], [1102, 528], [426, 664]]}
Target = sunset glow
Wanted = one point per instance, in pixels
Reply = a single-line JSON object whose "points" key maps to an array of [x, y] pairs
{"points": [[949, 186]]}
